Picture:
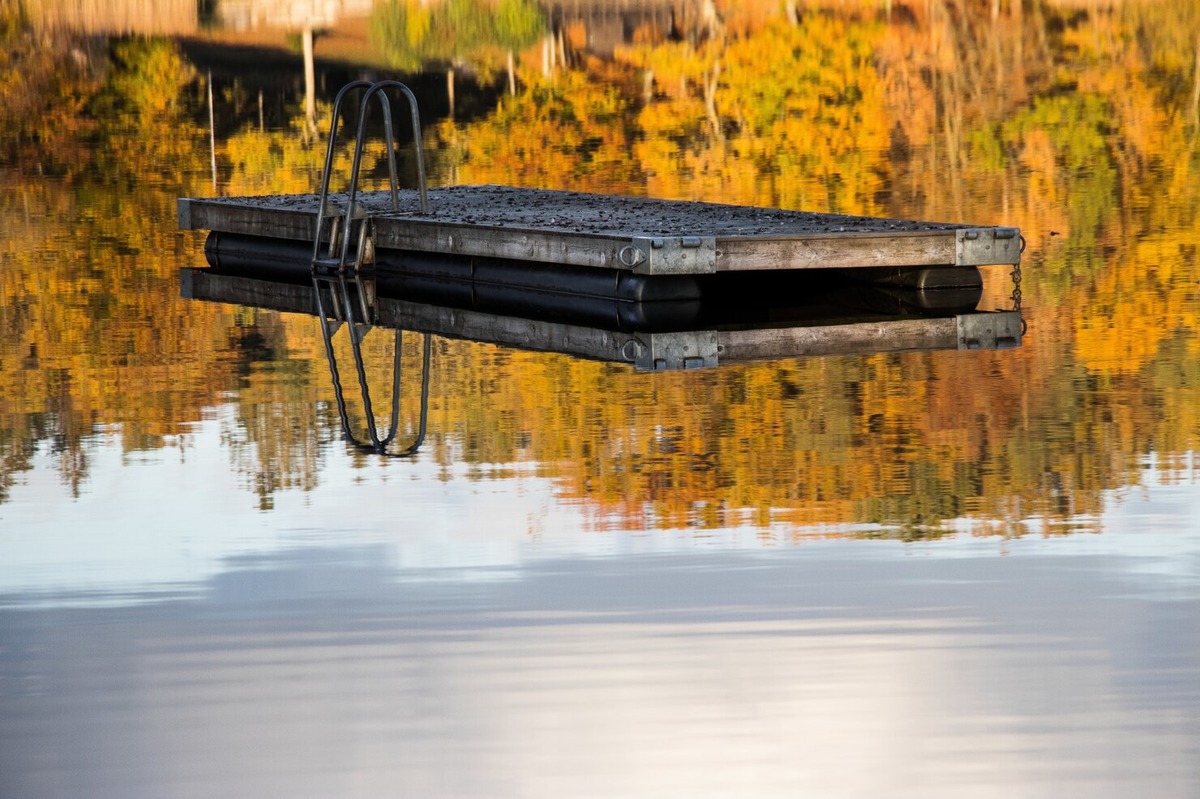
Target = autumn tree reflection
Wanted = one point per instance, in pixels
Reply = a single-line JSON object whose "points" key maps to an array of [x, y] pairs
{"points": [[1078, 123]]}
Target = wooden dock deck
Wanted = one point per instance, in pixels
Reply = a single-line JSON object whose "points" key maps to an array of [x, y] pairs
{"points": [[639, 235]]}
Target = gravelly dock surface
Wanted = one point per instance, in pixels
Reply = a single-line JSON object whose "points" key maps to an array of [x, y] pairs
{"points": [[598, 214]]}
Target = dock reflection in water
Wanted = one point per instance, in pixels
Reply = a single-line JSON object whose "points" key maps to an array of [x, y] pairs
{"points": [[710, 321]]}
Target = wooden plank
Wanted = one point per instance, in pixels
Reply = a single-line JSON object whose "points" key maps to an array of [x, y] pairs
{"points": [[247, 219], [852, 339], [575, 249], [212, 286], [539, 336], [934, 248]]}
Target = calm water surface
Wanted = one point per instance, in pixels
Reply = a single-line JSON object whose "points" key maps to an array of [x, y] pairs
{"points": [[916, 574]]}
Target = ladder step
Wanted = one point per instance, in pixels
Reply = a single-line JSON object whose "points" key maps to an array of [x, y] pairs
{"points": [[336, 265], [333, 211]]}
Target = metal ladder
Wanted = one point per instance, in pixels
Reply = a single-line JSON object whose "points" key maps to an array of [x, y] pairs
{"points": [[341, 221], [349, 282]]}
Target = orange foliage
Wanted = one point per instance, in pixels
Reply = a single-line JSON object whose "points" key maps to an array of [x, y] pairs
{"points": [[840, 112]]}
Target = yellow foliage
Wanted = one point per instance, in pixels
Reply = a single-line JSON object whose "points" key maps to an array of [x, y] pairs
{"points": [[835, 113]]}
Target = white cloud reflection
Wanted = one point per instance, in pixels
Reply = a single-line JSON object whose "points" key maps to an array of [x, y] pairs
{"points": [[167, 521], [783, 674], [403, 634]]}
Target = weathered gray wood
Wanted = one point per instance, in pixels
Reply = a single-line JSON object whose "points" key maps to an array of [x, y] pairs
{"points": [[602, 231], [858, 338], [526, 334], [247, 218], [577, 249], [206, 284], [838, 251]]}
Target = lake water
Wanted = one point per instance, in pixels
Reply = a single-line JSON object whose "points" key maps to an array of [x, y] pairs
{"points": [[898, 574]]}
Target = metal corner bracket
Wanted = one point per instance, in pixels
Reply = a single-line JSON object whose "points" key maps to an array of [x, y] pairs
{"points": [[1000, 330], [986, 246], [671, 255], [661, 352]]}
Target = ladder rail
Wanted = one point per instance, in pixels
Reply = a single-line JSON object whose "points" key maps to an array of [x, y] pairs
{"points": [[326, 173], [331, 320], [352, 212], [418, 146], [380, 88], [331, 271]]}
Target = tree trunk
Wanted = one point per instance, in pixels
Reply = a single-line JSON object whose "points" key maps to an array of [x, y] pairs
{"points": [[310, 82], [1195, 109]]}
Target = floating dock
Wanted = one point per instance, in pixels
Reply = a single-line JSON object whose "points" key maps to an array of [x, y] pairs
{"points": [[631, 234]]}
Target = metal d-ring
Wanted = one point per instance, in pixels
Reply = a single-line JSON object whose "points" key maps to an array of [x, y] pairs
{"points": [[630, 256]]}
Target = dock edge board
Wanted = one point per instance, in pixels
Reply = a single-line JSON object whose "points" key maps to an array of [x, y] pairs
{"points": [[698, 251]]}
